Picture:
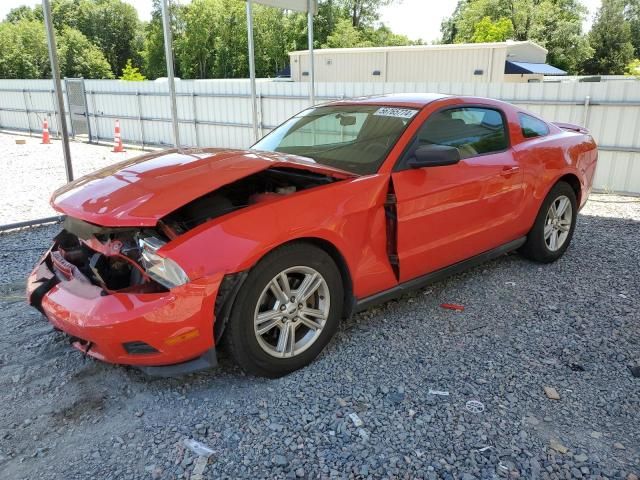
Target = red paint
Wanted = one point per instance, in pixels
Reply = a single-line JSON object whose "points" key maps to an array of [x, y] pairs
{"points": [[453, 306], [445, 214], [140, 191]]}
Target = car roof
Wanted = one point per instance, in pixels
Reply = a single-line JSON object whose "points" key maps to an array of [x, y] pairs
{"points": [[414, 100]]}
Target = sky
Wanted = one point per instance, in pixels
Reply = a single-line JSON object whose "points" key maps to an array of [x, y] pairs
{"points": [[417, 19]]}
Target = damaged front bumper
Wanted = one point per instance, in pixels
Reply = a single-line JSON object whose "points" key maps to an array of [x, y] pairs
{"points": [[172, 328]]}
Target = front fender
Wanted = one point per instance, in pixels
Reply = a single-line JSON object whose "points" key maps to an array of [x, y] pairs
{"points": [[348, 214]]}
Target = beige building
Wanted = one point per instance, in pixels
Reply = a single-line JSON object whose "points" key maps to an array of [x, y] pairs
{"points": [[470, 62]]}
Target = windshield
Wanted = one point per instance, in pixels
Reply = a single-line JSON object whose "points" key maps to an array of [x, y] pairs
{"points": [[355, 138]]}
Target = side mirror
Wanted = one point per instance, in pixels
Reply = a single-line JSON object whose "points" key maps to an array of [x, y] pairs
{"points": [[434, 156]]}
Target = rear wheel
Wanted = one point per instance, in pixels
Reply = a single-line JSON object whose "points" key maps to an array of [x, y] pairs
{"points": [[554, 226], [287, 311]]}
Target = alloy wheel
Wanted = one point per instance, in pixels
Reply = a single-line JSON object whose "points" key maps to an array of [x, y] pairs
{"points": [[557, 224], [291, 311]]}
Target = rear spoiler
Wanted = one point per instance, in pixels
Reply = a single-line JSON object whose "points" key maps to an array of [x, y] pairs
{"points": [[571, 127]]}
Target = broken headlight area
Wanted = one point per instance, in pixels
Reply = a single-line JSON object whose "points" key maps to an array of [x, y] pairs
{"points": [[161, 269], [127, 259], [115, 259]]}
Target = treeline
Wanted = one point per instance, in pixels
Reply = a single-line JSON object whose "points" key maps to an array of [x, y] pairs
{"points": [[105, 38], [609, 48]]}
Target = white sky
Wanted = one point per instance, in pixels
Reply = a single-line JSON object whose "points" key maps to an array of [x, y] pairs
{"points": [[413, 18]]}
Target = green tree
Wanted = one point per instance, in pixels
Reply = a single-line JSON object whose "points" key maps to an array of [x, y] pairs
{"points": [[274, 38], [131, 73], [487, 30], [23, 50], [364, 12], [384, 37], [113, 26], [196, 47], [610, 38], [554, 24], [632, 15], [209, 37], [153, 59], [21, 13], [345, 35], [449, 26], [633, 68], [78, 57]]}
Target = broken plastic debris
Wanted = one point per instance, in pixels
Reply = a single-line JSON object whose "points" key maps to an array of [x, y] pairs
{"points": [[511, 284], [199, 467], [475, 406], [484, 449], [551, 393], [557, 446], [356, 419], [198, 448], [453, 306], [438, 392]]}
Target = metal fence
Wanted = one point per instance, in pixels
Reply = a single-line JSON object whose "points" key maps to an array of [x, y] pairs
{"points": [[218, 112]]}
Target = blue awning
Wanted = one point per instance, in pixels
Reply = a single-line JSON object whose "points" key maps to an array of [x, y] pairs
{"points": [[524, 67]]}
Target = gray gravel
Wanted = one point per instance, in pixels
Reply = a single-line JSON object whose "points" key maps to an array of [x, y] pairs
{"points": [[573, 326]]}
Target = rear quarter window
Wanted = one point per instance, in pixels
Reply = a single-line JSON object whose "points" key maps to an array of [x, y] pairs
{"points": [[532, 127]]}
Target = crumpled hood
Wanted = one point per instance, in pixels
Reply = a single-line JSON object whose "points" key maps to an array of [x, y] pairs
{"points": [[140, 191]]}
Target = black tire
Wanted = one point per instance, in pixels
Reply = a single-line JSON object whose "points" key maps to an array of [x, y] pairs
{"points": [[241, 340], [536, 247]]}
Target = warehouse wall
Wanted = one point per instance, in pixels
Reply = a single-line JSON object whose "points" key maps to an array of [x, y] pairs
{"points": [[403, 64], [218, 112]]}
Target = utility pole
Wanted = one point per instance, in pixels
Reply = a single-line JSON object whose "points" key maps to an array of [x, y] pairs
{"points": [[168, 53], [57, 87]]}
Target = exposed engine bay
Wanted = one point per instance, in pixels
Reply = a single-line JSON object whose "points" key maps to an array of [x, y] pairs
{"points": [[264, 186], [124, 259]]}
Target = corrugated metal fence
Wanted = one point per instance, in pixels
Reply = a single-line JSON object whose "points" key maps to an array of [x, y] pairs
{"points": [[218, 112]]}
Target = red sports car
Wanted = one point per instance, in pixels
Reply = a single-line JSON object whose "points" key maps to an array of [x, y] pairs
{"points": [[164, 257]]}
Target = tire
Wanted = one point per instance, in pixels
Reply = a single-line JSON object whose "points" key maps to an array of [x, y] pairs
{"points": [[273, 354], [540, 245]]}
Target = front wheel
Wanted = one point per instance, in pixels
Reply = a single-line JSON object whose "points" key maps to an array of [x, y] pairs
{"points": [[554, 226], [287, 311]]}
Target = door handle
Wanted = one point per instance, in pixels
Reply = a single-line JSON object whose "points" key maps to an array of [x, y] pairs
{"points": [[509, 171]]}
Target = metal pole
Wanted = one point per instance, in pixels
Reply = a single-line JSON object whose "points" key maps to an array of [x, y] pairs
{"points": [[585, 115], [55, 73], [195, 117], [168, 52], [26, 109], [140, 122], [55, 115], [312, 70], [252, 70]]}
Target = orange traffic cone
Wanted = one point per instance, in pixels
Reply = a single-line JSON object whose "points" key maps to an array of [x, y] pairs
{"points": [[117, 139], [45, 132]]}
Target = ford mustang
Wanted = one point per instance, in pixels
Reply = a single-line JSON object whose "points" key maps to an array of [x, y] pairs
{"points": [[166, 257]]}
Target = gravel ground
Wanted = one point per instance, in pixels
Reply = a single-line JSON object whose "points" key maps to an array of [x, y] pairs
{"points": [[572, 325], [34, 167]]}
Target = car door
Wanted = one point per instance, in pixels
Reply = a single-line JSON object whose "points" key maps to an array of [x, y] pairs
{"points": [[446, 214]]}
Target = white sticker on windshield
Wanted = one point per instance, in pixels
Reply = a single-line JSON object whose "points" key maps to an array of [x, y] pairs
{"points": [[396, 112]]}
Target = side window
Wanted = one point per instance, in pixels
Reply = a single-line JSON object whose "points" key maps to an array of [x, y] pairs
{"points": [[532, 127], [472, 130]]}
